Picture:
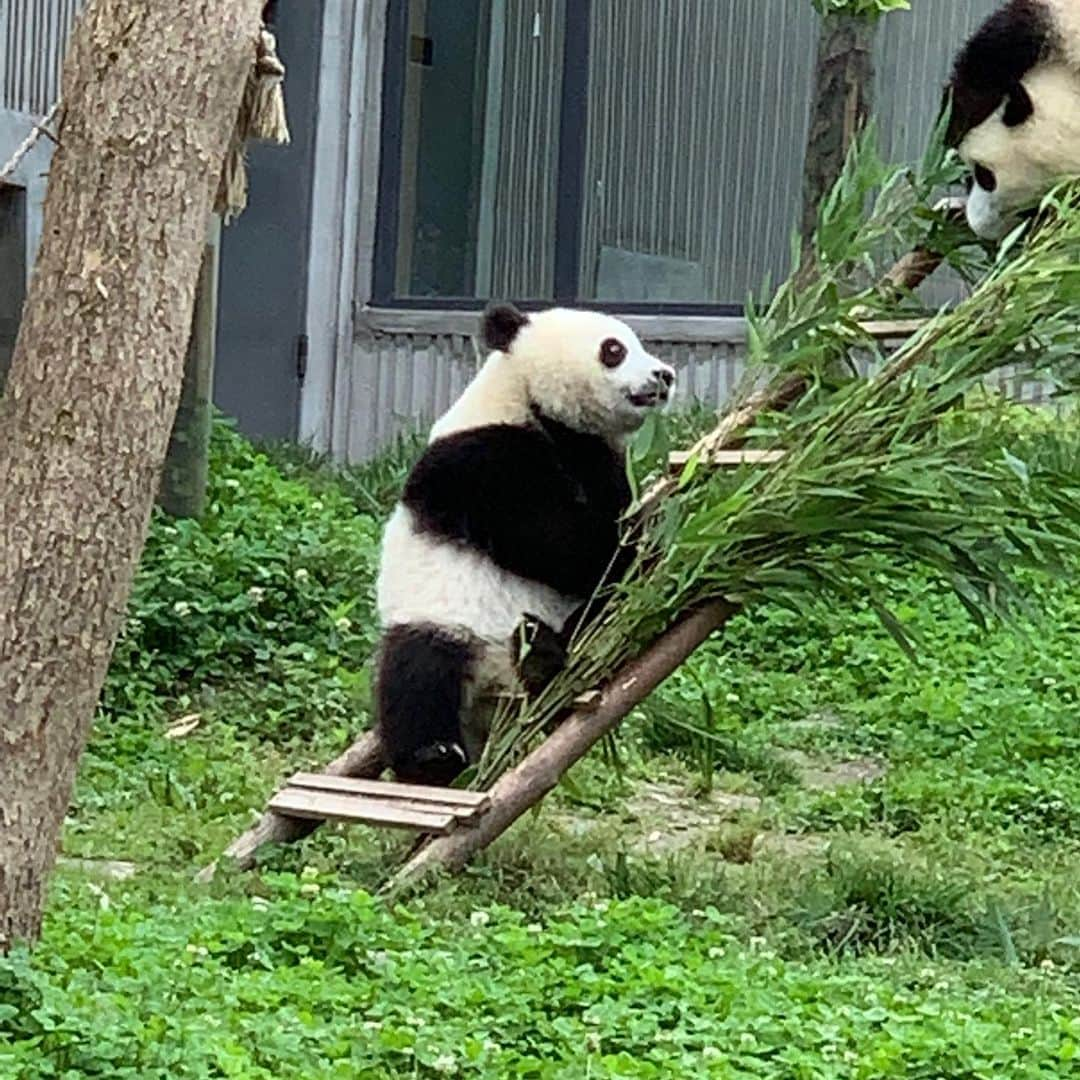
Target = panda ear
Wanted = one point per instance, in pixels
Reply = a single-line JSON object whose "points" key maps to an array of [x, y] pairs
{"points": [[1018, 106], [502, 324]]}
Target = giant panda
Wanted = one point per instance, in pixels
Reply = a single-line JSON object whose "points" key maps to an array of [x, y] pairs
{"points": [[1015, 120], [507, 525]]}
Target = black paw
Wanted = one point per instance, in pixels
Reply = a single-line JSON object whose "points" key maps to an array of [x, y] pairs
{"points": [[435, 765], [538, 653]]}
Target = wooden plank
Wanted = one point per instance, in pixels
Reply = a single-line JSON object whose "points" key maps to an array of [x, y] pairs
{"points": [[884, 329], [340, 785], [380, 789], [727, 459], [324, 806]]}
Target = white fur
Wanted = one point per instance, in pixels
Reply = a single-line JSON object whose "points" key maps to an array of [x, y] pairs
{"points": [[423, 579], [1065, 15], [1027, 160]]}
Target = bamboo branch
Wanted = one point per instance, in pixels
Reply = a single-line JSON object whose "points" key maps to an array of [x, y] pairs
{"points": [[540, 772], [525, 786]]}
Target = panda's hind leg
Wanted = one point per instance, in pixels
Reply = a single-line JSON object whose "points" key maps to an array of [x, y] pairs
{"points": [[421, 684]]}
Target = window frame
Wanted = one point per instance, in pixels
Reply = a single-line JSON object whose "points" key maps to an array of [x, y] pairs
{"points": [[569, 194]]}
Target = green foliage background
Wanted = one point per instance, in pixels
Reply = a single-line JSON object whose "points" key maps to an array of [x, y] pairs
{"points": [[870, 9], [935, 938]]}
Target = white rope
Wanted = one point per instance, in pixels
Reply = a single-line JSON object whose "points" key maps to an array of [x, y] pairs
{"points": [[24, 148]]}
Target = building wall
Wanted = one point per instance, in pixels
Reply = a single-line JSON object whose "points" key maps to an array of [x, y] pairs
{"points": [[703, 165], [727, 182], [33, 37]]}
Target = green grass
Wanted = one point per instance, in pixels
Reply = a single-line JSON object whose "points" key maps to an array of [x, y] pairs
{"points": [[926, 929]]}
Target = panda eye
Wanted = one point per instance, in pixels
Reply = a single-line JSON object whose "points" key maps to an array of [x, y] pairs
{"points": [[984, 177], [612, 353]]}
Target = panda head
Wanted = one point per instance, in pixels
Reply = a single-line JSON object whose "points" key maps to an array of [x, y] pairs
{"points": [[583, 369], [1015, 120]]}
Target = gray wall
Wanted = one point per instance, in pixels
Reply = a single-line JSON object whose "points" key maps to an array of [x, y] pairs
{"points": [[262, 298], [696, 137], [723, 187], [33, 36]]}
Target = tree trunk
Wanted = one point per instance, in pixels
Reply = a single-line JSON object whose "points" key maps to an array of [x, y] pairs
{"points": [[152, 92], [843, 99], [187, 462]]}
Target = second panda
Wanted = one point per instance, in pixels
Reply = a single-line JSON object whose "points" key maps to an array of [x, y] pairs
{"points": [[1015, 92], [512, 513]]}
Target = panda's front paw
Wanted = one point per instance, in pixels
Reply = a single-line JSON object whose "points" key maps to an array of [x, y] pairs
{"points": [[538, 653], [436, 765]]}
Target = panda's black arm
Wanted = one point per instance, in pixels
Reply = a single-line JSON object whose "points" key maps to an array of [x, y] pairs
{"points": [[506, 492]]}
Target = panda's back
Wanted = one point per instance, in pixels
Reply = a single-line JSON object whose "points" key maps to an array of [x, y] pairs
{"points": [[499, 521], [427, 579]]}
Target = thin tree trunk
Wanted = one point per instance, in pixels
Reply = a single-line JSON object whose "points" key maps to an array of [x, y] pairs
{"points": [[151, 92], [842, 102], [187, 461]]}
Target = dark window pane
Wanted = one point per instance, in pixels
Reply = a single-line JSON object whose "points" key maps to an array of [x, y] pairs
{"points": [[697, 128], [479, 148], [12, 269]]}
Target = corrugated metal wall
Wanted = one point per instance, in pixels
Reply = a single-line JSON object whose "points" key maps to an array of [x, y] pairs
{"points": [[33, 34], [399, 381], [695, 146], [696, 135], [404, 380], [524, 215], [914, 53]]}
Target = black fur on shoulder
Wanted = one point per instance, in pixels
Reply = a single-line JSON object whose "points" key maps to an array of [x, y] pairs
{"points": [[543, 501], [419, 694], [989, 67], [502, 324]]}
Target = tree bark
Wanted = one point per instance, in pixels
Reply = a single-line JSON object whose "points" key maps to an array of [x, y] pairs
{"points": [[842, 102], [151, 93]]}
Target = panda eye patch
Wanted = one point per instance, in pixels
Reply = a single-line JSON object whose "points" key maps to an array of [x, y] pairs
{"points": [[612, 353], [985, 177]]}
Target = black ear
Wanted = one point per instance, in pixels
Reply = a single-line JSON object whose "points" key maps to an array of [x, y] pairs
{"points": [[1018, 106], [502, 323]]}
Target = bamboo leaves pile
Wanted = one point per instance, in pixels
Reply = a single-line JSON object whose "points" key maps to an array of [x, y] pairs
{"points": [[912, 467]]}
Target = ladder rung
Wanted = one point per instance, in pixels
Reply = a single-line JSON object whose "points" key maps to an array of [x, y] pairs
{"points": [[885, 329], [386, 789], [323, 806], [726, 459]]}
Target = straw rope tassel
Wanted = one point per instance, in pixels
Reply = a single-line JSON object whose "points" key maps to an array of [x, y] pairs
{"points": [[261, 116]]}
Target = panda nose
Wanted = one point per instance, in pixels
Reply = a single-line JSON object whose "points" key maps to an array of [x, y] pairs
{"points": [[664, 375]]}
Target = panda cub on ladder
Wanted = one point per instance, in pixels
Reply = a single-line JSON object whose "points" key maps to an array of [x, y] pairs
{"points": [[1015, 91], [511, 515]]}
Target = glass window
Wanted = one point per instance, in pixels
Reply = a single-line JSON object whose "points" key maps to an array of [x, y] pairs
{"points": [[12, 270], [470, 149], [695, 145]]}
